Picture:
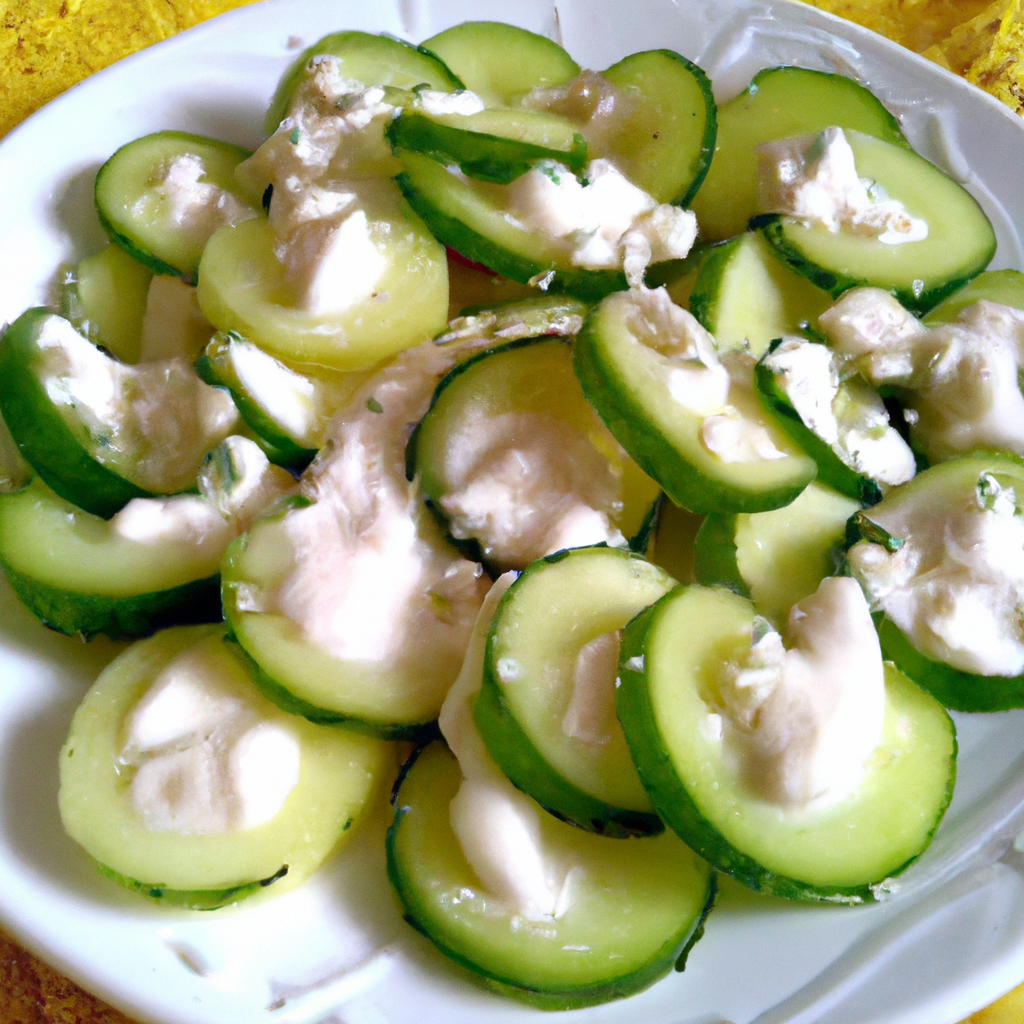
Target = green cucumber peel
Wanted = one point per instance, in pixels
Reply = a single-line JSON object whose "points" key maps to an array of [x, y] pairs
{"points": [[714, 555]]}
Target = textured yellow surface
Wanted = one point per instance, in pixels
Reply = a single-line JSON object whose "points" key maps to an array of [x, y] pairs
{"points": [[46, 46]]}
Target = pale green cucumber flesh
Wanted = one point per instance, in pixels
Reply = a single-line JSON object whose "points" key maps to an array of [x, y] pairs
{"points": [[627, 384], [776, 558], [45, 438], [338, 775], [501, 63], [665, 144], [468, 219], [534, 317], [779, 103], [838, 854], [242, 289], [131, 213], [831, 468], [494, 145], [1003, 286], [640, 907], [369, 59], [558, 605], [533, 377], [960, 241], [747, 297]]}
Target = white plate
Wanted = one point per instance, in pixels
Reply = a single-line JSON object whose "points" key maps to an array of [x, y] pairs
{"points": [[336, 950]]}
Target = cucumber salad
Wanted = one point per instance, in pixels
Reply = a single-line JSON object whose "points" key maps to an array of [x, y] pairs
{"points": [[384, 442]]}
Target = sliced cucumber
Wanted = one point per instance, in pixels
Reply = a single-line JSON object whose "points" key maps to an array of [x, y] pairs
{"points": [[243, 289], [747, 297], [940, 559], [98, 432], [1003, 286], [469, 218], [535, 317], [632, 350], [547, 718], [365, 58], [841, 853], [635, 909], [776, 558], [287, 406], [516, 459], [495, 145], [106, 301], [842, 424], [162, 221], [959, 245], [336, 781], [780, 102], [501, 63], [666, 139], [15, 472]]}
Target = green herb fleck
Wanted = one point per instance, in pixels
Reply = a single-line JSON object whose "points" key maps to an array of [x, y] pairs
{"points": [[294, 136], [373, 405]]}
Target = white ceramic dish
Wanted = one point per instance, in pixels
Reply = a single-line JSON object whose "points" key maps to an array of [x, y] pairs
{"points": [[336, 950]]}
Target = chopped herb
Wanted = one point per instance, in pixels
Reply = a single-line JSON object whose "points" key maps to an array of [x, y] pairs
{"points": [[294, 136], [373, 405]]}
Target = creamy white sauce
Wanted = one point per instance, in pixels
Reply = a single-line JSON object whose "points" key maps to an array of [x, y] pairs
{"points": [[207, 758], [498, 827], [800, 721], [956, 584], [241, 483], [814, 179], [153, 422], [590, 714]]}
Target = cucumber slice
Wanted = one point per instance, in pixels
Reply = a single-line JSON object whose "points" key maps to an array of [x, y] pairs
{"points": [[666, 139], [242, 289], [495, 145], [636, 909], [776, 558], [161, 197], [98, 432], [539, 709], [287, 406], [81, 574], [470, 219], [336, 782], [959, 245], [842, 424], [779, 103], [747, 297], [15, 472], [366, 58], [842, 853], [633, 349], [105, 298], [513, 455], [938, 557], [501, 63], [536, 317], [1003, 286]]}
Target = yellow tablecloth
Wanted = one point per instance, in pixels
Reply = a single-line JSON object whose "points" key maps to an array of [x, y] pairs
{"points": [[46, 46]]}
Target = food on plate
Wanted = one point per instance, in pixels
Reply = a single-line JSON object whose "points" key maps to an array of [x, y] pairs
{"points": [[770, 313]]}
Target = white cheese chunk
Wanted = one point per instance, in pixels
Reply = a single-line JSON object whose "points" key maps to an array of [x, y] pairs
{"points": [[590, 715], [955, 586], [193, 205], [172, 325], [802, 720], [814, 179], [207, 759], [498, 827], [436, 103], [153, 422]]}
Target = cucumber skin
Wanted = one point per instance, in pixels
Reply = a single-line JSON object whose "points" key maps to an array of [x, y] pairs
{"points": [[684, 484], [952, 687], [479, 155], [674, 803], [673, 953], [120, 618], [836, 282], [714, 555], [193, 899], [45, 440], [831, 469], [279, 448], [588, 285]]}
